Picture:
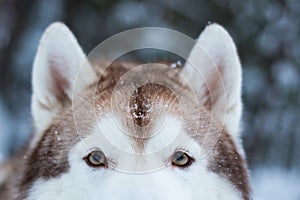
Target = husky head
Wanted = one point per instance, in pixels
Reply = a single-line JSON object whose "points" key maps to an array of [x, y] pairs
{"points": [[138, 142]]}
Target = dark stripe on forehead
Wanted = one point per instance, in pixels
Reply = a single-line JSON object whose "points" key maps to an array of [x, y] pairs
{"points": [[141, 107], [146, 106], [144, 103]]}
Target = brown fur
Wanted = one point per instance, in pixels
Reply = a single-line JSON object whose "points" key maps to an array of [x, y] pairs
{"points": [[48, 159], [228, 163]]}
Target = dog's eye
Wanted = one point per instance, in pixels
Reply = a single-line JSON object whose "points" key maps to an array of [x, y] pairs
{"points": [[96, 159], [181, 159]]}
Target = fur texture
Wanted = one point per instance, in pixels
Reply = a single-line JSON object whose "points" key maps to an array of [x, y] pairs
{"points": [[137, 127]]}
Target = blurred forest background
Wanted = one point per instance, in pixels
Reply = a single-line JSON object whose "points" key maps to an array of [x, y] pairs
{"points": [[267, 34]]}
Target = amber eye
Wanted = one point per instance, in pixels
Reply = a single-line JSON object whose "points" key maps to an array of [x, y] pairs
{"points": [[96, 159], [181, 159]]}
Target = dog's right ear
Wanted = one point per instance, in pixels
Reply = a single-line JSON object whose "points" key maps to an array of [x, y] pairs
{"points": [[214, 71], [57, 62]]}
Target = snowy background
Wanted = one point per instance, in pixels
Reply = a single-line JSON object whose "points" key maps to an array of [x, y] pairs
{"points": [[266, 32]]}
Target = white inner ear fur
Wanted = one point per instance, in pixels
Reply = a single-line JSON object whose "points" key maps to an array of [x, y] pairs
{"points": [[57, 62], [214, 56]]}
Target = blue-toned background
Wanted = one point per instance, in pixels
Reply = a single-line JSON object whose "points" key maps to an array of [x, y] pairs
{"points": [[266, 32]]}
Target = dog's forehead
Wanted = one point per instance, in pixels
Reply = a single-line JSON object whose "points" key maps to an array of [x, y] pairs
{"points": [[139, 110], [138, 115]]}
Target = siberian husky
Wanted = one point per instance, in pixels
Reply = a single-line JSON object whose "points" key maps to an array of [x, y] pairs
{"points": [[150, 142]]}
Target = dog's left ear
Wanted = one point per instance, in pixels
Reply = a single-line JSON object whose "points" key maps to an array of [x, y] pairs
{"points": [[55, 71], [214, 70]]}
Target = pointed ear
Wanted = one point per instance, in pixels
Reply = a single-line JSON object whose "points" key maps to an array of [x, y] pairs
{"points": [[214, 70], [56, 64]]}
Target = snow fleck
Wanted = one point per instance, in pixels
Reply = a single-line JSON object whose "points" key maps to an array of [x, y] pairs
{"points": [[138, 115], [175, 65], [135, 106], [179, 63], [147, 105], [166, 105]]}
